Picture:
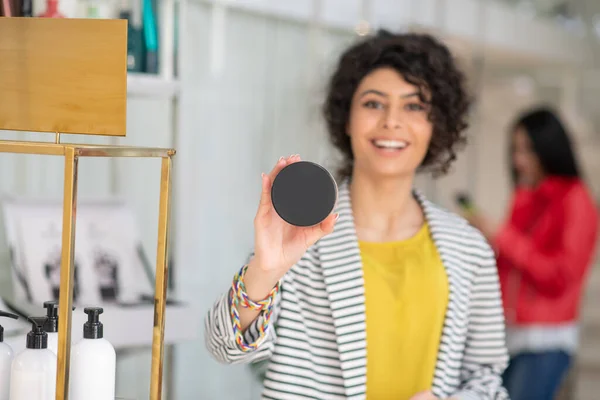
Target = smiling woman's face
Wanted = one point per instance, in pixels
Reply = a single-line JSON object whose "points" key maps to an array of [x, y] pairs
{"points": [[389, 126]]}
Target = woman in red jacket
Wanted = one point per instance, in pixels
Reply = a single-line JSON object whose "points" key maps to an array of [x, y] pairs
{"points": [[544, 252]]}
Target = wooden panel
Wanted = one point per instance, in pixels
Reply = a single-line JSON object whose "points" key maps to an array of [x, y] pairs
{"points": [[63, 75]]}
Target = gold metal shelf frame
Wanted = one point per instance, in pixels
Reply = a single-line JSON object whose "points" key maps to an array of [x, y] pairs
{"points": [[70, 76]]}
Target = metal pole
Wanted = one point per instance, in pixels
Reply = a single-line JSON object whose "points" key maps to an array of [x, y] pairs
{"points": [[162, 266], [66, 274]]}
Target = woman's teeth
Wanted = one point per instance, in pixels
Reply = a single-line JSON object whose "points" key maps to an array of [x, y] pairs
{"points": [[390, 144]]}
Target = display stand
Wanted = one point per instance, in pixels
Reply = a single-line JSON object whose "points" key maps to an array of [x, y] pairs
{"points": [[70, 76]]}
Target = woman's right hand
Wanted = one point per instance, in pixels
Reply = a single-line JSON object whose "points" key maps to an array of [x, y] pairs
{"points": [[278, 245]]}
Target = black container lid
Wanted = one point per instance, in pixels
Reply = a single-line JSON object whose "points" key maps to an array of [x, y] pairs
{"points": [[304, 193], [37, 338], [9, 315], [93, 328], [51, 324]]}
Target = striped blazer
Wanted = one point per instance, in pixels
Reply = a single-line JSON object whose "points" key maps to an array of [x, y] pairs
{"points": [[318, 346]]}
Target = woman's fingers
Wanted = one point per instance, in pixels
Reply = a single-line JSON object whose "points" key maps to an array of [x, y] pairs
{"points": [[294, 158], [281, 163], [265, 195]]}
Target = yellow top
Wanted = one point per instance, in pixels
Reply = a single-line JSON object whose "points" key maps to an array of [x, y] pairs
{"points": [[406, 290]]}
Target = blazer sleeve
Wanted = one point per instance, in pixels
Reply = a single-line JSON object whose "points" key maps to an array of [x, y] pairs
{"points": [[485, 355], [220, 338]]}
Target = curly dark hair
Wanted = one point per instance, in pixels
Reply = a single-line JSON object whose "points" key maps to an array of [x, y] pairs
{"points": [[422, 61]]}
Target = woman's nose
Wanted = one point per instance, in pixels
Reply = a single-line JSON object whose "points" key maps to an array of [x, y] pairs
{"points": [[393, 118]]}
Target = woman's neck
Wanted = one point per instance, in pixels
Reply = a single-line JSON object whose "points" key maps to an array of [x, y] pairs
{"points": [[384, 209]]}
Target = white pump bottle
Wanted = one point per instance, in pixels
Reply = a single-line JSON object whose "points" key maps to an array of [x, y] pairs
{"points": [[33, 370], [93, 362], [6, 358]]}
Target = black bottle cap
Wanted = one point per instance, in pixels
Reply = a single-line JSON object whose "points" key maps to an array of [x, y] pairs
{"points": [[9, 315], [304, 193], [51, 324], [37, 338], [93, 328]]}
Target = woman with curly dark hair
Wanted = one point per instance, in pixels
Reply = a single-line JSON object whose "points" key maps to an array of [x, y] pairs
{"points": [[390, 297]]}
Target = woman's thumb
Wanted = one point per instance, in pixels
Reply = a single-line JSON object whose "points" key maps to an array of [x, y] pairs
{"points": [[324, 228]]}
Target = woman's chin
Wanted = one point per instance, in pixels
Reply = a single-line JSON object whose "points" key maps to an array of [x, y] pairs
{"points": [[392, 172]]}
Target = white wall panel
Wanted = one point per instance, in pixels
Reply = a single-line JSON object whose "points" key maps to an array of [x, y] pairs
{"points": [[504, 29], [236, 123], [219, 163]]}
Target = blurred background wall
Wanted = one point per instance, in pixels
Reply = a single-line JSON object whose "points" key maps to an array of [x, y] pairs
{"points": [[250, 82]]}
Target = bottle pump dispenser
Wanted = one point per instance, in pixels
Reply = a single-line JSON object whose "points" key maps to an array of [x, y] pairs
{"points": [[51, 325]]}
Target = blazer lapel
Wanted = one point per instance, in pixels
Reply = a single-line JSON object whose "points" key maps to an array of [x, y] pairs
{"points": [[342, 269], [443, 231]]}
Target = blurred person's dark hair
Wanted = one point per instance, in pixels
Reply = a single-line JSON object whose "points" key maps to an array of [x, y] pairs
{"points": [[550, 140], [422, 61]]}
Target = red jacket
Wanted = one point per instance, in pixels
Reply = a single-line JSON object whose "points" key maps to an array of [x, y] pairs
{"points": [[545, 250]]}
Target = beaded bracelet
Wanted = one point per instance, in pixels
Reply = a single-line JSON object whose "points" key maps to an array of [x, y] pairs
{"points": [[240, 292], [238, 297]]}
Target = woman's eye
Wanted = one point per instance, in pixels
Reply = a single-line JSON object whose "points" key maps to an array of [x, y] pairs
{"points": [[415, 107], [373, 104]]}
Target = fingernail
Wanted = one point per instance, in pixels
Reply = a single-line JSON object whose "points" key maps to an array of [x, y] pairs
{"points": [[262, 175], [280, 159], [337, 215]]}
